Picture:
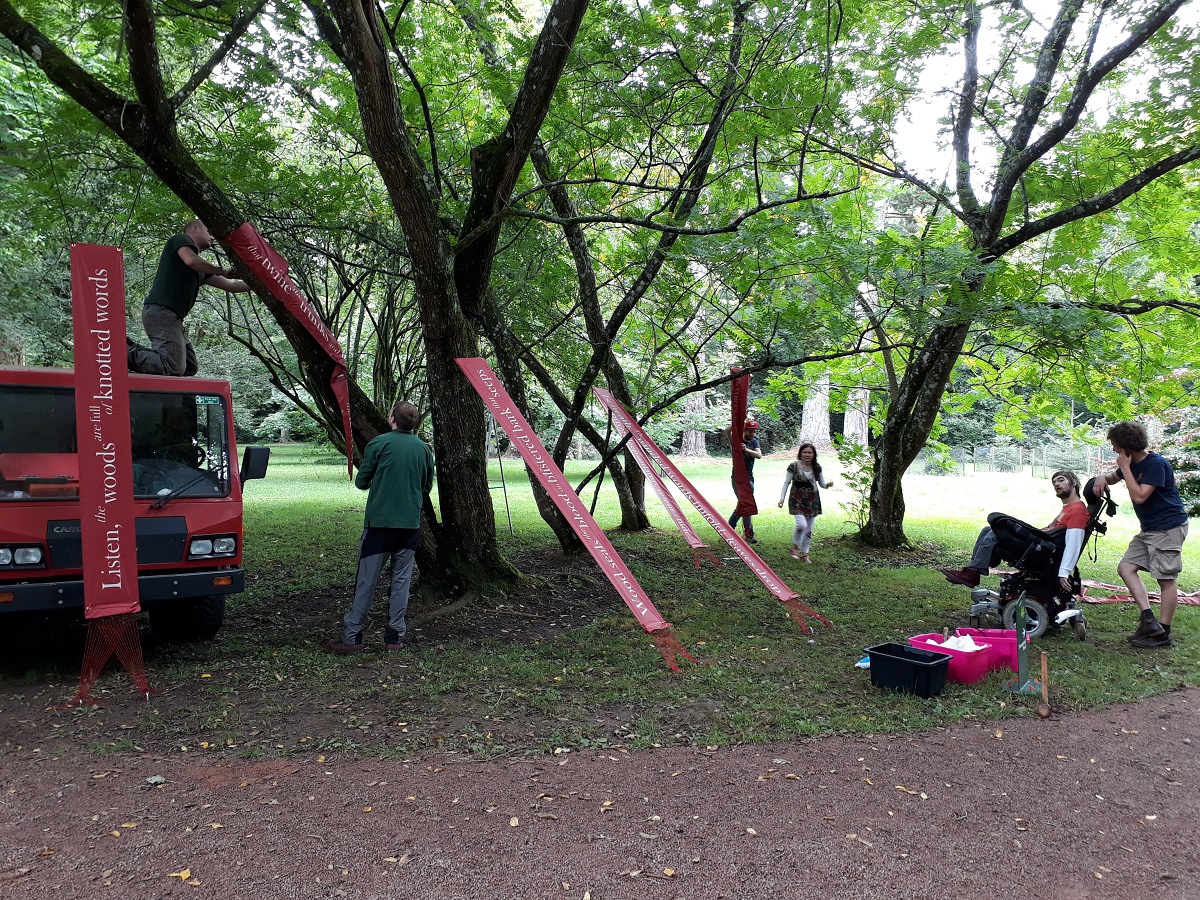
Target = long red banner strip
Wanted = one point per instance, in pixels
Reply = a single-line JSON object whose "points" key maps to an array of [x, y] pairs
{"points": [[272, 270], [485, 382], [107, 526], [626, 423], [664, 495], [699, 548], [739, 395], [1185, 599]]}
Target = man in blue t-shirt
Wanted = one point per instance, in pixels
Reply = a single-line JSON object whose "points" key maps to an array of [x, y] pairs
{"points": [[1158, 547]]}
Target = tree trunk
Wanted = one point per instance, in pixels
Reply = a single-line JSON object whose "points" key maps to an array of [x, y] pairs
{"points": [[906, 428], [814, 426], [510, 372], [855, 428], [693, 440]]}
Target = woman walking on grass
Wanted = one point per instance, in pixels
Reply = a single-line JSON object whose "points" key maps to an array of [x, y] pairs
{"points": [[804, 500]]}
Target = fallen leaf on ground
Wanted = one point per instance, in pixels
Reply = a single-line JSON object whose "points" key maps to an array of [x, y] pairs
{"points": [[182, 874]]}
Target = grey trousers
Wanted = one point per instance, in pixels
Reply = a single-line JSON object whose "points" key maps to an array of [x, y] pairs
{"points": [[981, 556], [369, 569], [170, 352]]}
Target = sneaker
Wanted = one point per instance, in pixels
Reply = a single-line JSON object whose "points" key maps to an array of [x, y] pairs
{"points": [[393, 640], [1148, 628], [1161, 642], [750, 540], [968, 577], [344, 649], [804, 556], [395, 646], [794, 553]]}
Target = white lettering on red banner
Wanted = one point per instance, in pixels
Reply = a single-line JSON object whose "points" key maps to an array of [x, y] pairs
{"points": [[107, 532], [539, 462], [626, 423], [272, 270]]}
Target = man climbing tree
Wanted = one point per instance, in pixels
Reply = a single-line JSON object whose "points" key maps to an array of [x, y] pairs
{"points": [[181, 272]]}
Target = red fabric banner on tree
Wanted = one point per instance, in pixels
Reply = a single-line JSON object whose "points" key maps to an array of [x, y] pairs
{"points": [[107, 527], [625, 423], [739, 393], [272, 270], [485, 382], [660, 489]]}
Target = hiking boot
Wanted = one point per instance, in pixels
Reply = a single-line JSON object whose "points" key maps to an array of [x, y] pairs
{"points": [[344, 649], [968, 577], [1148, 628], [1161, 642], [393, 640]]}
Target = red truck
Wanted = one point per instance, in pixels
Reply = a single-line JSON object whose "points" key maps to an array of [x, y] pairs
{"points": [[187, 498]]}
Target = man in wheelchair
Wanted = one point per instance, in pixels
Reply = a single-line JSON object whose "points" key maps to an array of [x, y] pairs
{"points": [[1055, 548]]}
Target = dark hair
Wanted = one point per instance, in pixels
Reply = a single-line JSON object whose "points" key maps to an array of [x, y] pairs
{"points": [[816, 465], [405, 415], [1071, 477], [1129, 436]]}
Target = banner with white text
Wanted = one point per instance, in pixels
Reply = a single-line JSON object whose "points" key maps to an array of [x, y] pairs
{"points": [[625, 423], [107, 527], [539, 462], [272, 270]]}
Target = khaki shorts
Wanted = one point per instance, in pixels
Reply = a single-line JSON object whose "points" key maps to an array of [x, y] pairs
{"points": [[1158, 552]]}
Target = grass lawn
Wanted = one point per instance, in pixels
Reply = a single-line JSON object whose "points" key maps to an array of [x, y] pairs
{"points": [[507, 676]]}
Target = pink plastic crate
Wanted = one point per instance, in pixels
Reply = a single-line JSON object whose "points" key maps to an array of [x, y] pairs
{"points": [[966, 667], [1003, 654]]}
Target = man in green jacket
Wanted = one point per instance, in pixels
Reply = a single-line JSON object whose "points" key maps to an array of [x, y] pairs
{"points": [[397, 472]]}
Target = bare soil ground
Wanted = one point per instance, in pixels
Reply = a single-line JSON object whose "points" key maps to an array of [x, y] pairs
{"points": [[1097, 805]]}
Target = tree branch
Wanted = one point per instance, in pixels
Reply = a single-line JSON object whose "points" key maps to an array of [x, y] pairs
{"points": [[1093, 205], [236, 30]]}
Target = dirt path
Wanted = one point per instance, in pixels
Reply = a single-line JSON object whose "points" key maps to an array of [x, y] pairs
{"points": [[1096, 805]]}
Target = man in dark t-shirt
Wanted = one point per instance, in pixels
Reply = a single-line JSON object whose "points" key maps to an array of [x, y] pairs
{"points": [[181, 271], [1158, 547]]}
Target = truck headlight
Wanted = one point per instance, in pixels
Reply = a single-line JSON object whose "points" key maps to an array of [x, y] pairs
{"points": [[212, 545], [27, 556]]}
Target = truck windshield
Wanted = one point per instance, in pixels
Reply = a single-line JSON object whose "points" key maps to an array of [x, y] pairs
{"points": [[177, 438]]}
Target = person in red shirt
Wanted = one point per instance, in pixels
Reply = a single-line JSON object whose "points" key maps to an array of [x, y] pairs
{"points": [[1004, 533]]}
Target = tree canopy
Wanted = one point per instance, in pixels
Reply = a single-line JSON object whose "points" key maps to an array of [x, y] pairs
{"points": [[634, 195]]}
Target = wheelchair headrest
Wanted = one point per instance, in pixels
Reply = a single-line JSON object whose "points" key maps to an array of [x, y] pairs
{"points": [[1095, 504]]}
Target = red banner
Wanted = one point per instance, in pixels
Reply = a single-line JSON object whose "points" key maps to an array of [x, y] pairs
{"points": [[107, 528], [664, 495], [739, 393], [626, 424], [272, 270], [485, 382]]}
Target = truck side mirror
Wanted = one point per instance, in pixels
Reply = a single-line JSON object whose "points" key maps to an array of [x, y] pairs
{"points": [[254, 463]]}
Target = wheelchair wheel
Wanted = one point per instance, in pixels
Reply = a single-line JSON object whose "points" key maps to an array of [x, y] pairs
{"points": [[1036, 618]]}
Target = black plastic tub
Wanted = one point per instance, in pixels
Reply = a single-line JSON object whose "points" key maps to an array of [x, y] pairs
{"points": [[899, 667]]}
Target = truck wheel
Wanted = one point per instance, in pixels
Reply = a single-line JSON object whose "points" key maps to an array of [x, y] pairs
{"points": [[193, 619]]}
